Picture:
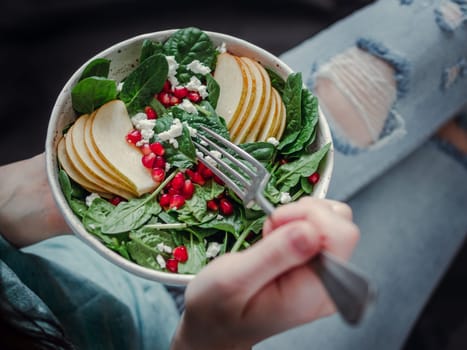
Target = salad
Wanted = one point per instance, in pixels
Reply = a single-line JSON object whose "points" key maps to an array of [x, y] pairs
{"points": [[129, 169]]}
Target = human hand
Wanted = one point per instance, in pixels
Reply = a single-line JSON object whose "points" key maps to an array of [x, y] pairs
{"points": [[28, 213], [242, 298]]}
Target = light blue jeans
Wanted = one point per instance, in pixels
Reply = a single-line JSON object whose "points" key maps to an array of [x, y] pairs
{"points": [[401, 67]]}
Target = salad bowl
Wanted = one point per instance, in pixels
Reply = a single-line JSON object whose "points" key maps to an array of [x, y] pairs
{"points": [[124, 57]]}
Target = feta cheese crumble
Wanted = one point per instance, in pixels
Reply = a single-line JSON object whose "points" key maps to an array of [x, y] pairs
{"points": [[213, 249], [195, 85], [222, 48], [199, 68], [173, 66], [285, 198], [90, 198], [187, 106], [273, 141], [175, 130], [164, 248], [161, 261]]}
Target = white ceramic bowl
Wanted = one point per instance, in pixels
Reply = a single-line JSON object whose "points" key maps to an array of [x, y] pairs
{"points": [[124, 56]]}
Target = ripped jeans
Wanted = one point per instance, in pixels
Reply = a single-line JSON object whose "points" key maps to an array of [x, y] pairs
{"points": [[387, 77]]}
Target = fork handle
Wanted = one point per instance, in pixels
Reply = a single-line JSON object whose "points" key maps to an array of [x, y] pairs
{"points": [[348, 288], [351, 292]]}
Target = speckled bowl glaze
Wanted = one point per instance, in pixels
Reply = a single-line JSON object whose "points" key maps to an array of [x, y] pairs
{"points": [[124, 57]]}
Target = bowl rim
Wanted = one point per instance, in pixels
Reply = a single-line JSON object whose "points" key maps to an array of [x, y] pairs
{"points": [[72, 220]]}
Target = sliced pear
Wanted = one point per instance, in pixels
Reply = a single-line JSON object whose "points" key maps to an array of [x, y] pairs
{"points": [[72, 172], [257, 109], [239, 120], [109, 128], [233, 87], [283, 120], [100, 163], [270, 121], [86, 167]]}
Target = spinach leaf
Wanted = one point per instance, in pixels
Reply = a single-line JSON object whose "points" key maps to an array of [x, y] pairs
{"points": [[213, 90], [289, 174], [158, 107], [262, 151], [143, 249], [277, 82], [149, 48], [141, 84], [96, 68], [91, 93], [233, 223], [292, 98], [254, 226], [74, 194], [187, 45], [306, 186], [309, 120], [195, 211], [196, 257]]}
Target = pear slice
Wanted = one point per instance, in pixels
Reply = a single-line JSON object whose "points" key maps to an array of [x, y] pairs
{"points": [[72, 172], [77, 154], [257, 109], [111, 177], [283, 120], [239, 120], [263, 113], [233, 87], [271, 119], [109, 128]]}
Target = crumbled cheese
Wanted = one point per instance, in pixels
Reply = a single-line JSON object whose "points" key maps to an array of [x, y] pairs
{"points": [[175, 130], [192, 131], [173, 66], [120, 87], [90, 198], [187, 106], [161, 261], [199, 154], [285, 198], [147, 134], [203, 143], [137, 118], [145, 124], [273, 141], [193, 84], [164, 248], [203, 91], [222, 48], [213, 249], [199, 68], [167, 167]]}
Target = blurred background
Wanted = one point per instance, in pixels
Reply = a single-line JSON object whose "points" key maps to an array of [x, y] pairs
{"points": [[44, 42]]}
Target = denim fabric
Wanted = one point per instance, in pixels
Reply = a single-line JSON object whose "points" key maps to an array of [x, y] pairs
{"points": [[429, 70], [412, 223], [99, 305]]}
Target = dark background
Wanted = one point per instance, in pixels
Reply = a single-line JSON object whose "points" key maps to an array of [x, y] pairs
{"points": [[43, 42]]}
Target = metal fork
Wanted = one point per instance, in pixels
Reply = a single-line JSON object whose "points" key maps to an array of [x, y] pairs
{"points": [[350, 290]]}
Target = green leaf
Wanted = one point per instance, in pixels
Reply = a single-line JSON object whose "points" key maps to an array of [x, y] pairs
{"points": [[149, 48], [309, 121], [196, 257], [292, 98], [213, 90], [96, 68], [141, 84], [91, 93], [277, 82], [306, 186], [74, 194], [262, 151], [289, 174], [254, 226]]}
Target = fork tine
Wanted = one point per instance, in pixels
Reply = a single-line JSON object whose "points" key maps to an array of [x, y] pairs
{"points": [[234, 160], [230, 183], [245, 155]]}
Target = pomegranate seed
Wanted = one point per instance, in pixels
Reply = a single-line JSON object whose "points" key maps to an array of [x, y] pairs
{"points": [[167, 86], [159, 162], [198, 179], [177, 201], [150, 112], [180, 253], [190, 173], [178, 181], [283, 161], [116, 200], [313, 178], [188, 189], [133, 136], [174, 191], [157, 148], [174, 100], [226, 207], [164, 200], [218, 180], [180, 92], [172, 265], [158, 174], [148, 160], [194, 96], [212, 205], [205, 172], [164, 98], [145, 149]]}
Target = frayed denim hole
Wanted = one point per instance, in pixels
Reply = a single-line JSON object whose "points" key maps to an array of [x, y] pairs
{"points": [[452, 74], [451, 150], [451, 14]]}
